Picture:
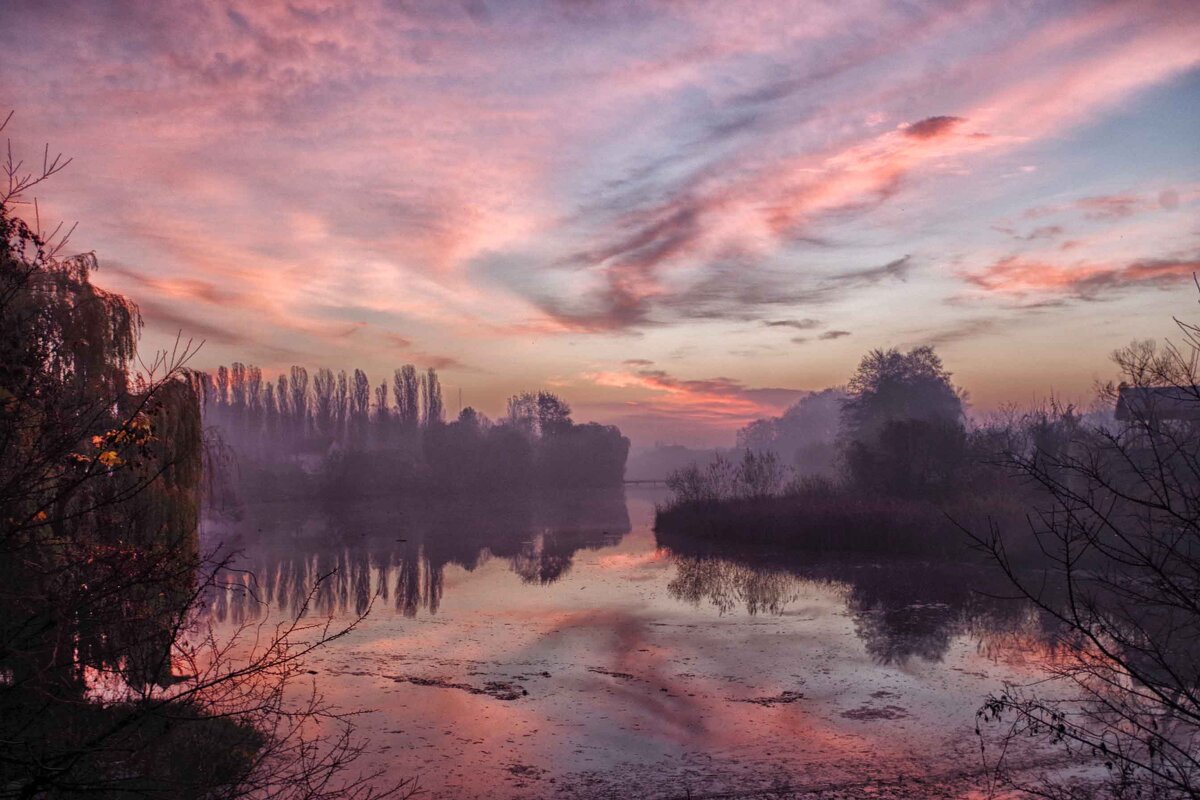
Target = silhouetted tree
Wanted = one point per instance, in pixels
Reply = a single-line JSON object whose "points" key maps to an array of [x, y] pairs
{"points": [[270, 416], [283, 395], [254, 400], [100, 574], [222, 386], [360, 403], [299, 401], [539, 413], [805, 436], [406, 388], [237, 390], [522, 413], [1116, 520], [382, 414], [323, 388], [341, 405], [553, 413], [902, 424], [431, 399]]}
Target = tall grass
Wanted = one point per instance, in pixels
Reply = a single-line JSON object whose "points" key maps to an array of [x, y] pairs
{"points": [[752, 501]]}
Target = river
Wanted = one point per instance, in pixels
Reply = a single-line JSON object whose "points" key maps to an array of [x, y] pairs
{"points": [[552, 649]]}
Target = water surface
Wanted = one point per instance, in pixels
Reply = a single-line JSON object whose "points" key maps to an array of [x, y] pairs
{"points": [[552, 649]]}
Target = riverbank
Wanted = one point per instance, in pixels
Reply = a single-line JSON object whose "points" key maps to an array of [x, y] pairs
{"points": [[831, 520]]}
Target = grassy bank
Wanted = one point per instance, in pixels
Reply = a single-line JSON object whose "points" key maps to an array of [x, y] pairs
{"points": [[834, 520]]}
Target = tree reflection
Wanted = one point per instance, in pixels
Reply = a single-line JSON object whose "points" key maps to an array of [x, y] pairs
{"points": [[901, 610], [398, 553], [728, 585]]}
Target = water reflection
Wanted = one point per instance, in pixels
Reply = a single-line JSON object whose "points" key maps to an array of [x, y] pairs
{"points": [[901, 610], [340, 559], [537, 668]]}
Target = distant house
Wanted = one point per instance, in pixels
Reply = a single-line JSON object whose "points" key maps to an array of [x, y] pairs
{"points": [[1158, 403]]}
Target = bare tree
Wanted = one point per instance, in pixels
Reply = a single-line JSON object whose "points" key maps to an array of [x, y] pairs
{"points": [[323, 388], [1117, 526], [299, 386], [382, 414], [341, 405], [222, 384], [360, 406], [432, 411], [405, 388]]}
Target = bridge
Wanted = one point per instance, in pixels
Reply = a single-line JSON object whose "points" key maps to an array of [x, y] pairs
{"points": [[647, 482]]}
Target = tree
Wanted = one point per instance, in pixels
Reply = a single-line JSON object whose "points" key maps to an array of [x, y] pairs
{"points": [[323, 388], [522, 413], [382, 414], [100, 572], [902, 424], [341, 405], [222, 386], [889, 385], [432, 411], [405, 388], [1116, 521], [299, 401], [539, 414], [254, 399], [553, 414], [283, 396], [237, 389], [270, 414], [360, 407], [804, 436]]}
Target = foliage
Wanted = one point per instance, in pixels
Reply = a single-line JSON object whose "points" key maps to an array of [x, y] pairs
{"points": [[756, 476], [804, 436], [1116, 518], [817, 517], [110, 682], [902, 424], [329, 440], [539, 413], [908, 458]]}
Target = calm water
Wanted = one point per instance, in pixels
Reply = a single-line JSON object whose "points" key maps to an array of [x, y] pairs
{"points": [[554, 650]]}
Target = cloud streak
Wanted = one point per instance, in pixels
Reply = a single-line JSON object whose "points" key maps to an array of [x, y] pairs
{"points": [[1017, 276], [717, 401]]}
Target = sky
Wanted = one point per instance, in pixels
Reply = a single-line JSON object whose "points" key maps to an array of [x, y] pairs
{"points": [[677, 215]]}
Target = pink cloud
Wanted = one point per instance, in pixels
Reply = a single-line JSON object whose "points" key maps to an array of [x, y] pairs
{"points": [[1018, 276], [720, 403]]}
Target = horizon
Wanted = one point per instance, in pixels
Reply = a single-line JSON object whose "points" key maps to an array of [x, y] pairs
{"points": [[680, 219]]}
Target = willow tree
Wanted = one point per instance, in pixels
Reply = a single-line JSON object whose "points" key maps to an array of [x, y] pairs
{"points": [[101, 576], [99, 479]]}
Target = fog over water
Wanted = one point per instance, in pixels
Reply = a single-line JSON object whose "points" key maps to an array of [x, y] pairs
{"points": [[531, 648]]}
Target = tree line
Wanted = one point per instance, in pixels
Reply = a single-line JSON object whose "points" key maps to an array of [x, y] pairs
{"points": [[298, 412], [342, 435]]}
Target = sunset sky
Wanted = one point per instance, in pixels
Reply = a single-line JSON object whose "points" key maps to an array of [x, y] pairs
{"points": [[675, 214]]}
